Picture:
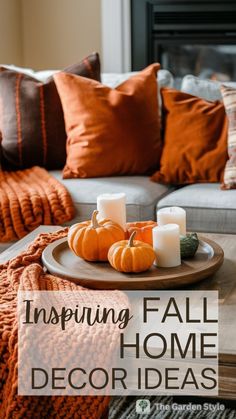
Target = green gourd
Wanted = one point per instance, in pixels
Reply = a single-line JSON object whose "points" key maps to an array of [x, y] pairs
{"points": [[189, 245]]}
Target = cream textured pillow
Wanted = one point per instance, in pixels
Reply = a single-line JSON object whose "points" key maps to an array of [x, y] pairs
{"points": [[229, 99]]}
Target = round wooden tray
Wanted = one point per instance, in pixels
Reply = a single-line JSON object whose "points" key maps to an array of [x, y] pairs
{"points": [[62, 262]]}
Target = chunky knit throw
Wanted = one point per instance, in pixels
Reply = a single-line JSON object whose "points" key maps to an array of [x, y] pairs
{"points": [[29, 198], [25, 272]]}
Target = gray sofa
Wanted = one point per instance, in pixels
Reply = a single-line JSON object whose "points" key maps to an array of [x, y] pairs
{"points": [[209, 209]]}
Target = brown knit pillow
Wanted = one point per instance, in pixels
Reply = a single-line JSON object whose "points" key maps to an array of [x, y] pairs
{"points": [[32, 121]]}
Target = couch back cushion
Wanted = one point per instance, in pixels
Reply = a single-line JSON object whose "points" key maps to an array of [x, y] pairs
{"points": [[203, 88], [164, 77], [195, 140], [32, 121], [110, 131]]}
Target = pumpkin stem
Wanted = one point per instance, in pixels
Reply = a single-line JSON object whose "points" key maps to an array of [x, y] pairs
{"points": [[131, 239], [94, 220]]}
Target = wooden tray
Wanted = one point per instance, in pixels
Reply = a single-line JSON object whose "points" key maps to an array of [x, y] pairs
{"points": [[62, 262]]}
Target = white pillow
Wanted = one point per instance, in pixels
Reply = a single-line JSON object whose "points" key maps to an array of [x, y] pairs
{"points": [[39, 75], [23, 70], [205, 89], [44, 75]]}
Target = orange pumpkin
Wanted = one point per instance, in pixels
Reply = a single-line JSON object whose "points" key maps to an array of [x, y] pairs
{"points": [[91, 240], [143, 230], [131, 256]]}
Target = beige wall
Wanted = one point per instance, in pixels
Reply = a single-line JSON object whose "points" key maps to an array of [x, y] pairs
{"points": [[57, 33], [48, 33], [10, 32]]}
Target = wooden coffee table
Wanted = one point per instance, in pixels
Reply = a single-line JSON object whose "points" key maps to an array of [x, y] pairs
{"points": [[223, 281]]}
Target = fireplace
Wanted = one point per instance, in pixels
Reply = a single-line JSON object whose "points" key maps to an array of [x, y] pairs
{"points": [[186, 36]]}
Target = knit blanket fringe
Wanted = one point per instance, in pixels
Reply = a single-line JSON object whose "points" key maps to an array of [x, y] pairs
{"points": [[29, 198]]}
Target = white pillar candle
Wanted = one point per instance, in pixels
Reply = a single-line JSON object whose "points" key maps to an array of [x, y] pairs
{"points": [[172, 215], [112, 206], [166, 244]]}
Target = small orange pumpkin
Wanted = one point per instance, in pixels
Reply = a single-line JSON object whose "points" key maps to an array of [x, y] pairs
{"points": [[91, 240], [143, 230], [131, 256]]}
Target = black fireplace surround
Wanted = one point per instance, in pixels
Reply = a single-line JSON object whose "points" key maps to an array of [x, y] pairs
{"points": [[197, 36]]}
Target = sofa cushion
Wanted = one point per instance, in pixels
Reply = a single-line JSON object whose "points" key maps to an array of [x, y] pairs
{"points": [[165, 78], [142, 194], [195, 140], [42, 75], [203, 88], [32, 121], [110, 132], [209, 209]]}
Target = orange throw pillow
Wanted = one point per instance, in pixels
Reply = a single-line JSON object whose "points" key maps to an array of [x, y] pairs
{"points": [[195, 140], [110, 131]]}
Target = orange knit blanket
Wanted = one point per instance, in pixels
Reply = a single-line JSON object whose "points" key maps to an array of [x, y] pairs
{"points": [[29, 198], [25, 272]]}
